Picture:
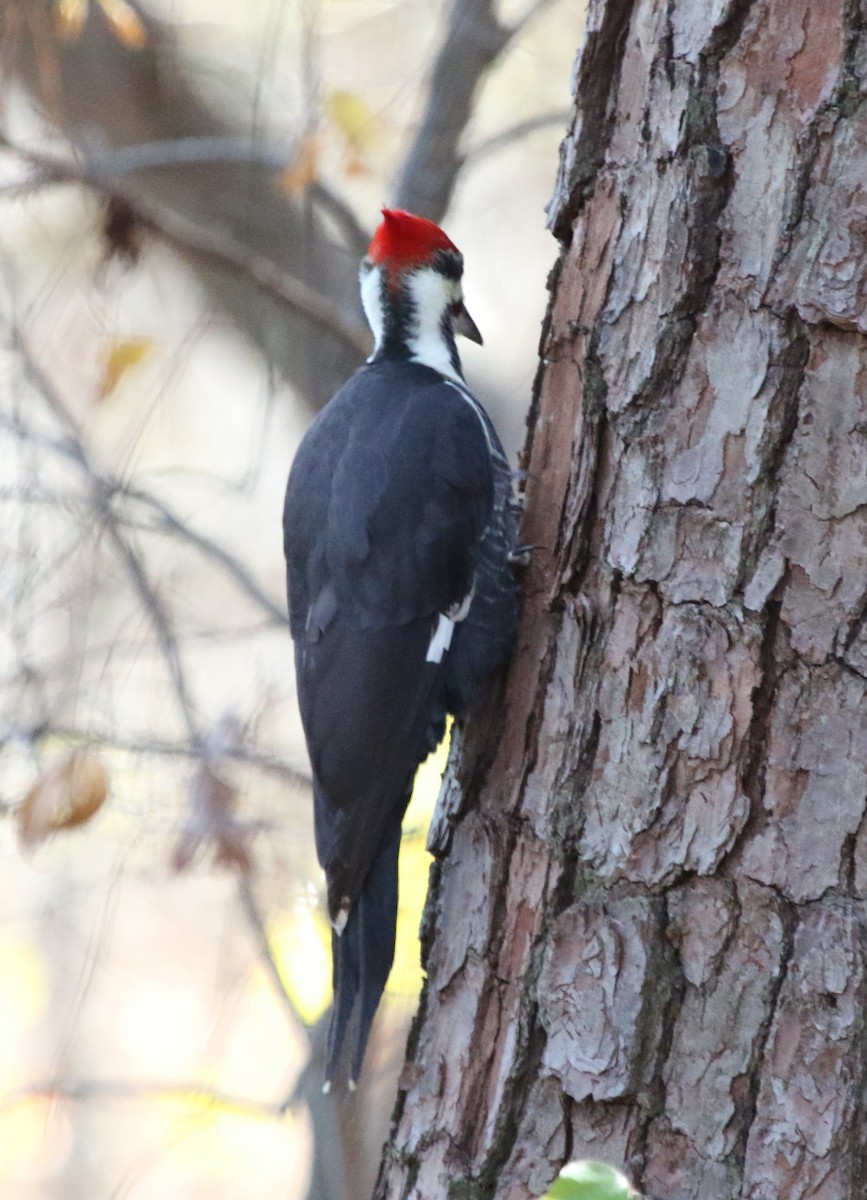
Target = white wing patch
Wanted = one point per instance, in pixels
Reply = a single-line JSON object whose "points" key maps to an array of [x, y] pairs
{"points": [[339, 922], [441, 639]]}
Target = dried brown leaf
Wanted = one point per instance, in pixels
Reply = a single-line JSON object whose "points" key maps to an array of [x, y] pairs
{"points": [[212, 821], [67, 794], [126, 23], [303, 170]]}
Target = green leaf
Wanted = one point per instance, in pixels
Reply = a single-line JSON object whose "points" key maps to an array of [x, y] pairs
{"points": [[590, 1181]]}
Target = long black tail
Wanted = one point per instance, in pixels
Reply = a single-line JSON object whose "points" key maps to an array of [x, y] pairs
{"points": [[362, 956]]}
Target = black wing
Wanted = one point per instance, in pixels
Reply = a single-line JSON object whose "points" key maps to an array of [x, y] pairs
{"points": [[387, 501]]}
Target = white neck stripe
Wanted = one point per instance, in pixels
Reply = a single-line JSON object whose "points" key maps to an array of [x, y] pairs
{"points": [[464, 391], [430, 295]]}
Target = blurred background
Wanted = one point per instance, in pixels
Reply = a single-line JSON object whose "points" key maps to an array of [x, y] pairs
{"points": [[186, 187]]}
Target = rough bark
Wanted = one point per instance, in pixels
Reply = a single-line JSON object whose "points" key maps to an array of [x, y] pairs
{"points": [[646, 934]]}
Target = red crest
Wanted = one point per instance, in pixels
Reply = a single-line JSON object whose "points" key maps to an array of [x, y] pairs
{"points": [[403, 240]]}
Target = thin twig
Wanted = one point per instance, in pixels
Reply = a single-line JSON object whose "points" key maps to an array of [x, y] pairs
{"points": [[507, 137], [162, 624], [257, 926], [165, 749], [111, 489], [104, 491], [335, 207], [221, 250], [84, 1090], [169, 519]]}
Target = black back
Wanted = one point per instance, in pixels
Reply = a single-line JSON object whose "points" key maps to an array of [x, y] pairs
{"points": [[388, 498]]}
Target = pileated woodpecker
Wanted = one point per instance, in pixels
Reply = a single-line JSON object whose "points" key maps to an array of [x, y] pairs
{"points": [[400, 532]]}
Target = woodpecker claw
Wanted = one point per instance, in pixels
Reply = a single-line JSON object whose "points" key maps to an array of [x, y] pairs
{"points": [[521, 555]]}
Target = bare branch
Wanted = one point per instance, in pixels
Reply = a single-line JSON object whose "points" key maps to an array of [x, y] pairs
{"points": [[134, 566], [211, 247], [532, 12], [157, 746], [474, 40], [169, 520], [514, 133], [101, 93], [105, 493], [182, 152], [335, 207], [220, 250], [260, 933], [165, 518]]}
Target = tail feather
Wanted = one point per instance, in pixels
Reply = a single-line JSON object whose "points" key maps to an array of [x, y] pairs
{"points": [[345, 980], [363, 955]]}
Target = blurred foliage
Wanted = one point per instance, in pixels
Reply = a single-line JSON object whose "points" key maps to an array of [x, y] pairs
{"points": [[588, 1180], [71, 15]]}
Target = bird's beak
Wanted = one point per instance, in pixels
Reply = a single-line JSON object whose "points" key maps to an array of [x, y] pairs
{"points": [[464, 324]]}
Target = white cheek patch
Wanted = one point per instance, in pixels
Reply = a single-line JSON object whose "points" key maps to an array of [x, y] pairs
{"points": [[431, 296]]}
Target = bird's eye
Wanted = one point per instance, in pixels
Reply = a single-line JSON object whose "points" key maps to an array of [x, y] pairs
{"points": [[367, 264]]}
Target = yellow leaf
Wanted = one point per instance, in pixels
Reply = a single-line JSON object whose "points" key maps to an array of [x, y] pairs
{"points": [[303, 169], [69, 16], [67, 794], [414, 870], [122, 355], [301, 942], [126, 23], [354, 118]]}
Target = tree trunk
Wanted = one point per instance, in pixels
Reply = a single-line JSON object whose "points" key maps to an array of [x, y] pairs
{"points": [[646, 933]]}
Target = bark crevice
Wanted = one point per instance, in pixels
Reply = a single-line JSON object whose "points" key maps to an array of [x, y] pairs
{"points": [[582, 154], [747, 1103]]}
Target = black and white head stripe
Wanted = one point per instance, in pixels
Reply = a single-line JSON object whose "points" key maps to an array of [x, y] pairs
{"points": [[411, 312]]}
